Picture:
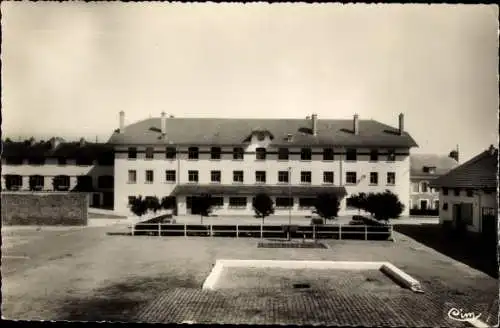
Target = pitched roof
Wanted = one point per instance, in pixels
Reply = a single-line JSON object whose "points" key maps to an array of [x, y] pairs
{"points": [[64, 149], [442, 163], [194, 189], [480, 172], [232, 131]]}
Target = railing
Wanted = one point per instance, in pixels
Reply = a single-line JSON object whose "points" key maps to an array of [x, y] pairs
{"points": [[337, 231]]}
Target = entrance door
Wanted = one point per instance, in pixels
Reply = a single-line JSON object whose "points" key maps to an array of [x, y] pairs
{"points": [[96, 200], [489, 223], [423, 204]]}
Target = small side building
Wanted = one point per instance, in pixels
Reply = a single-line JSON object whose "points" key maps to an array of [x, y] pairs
{"points": [[468, 194]]}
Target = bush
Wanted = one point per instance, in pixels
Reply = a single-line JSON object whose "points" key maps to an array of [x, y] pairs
{"points": [[138, 206], [152, 204], [327, 205], [263, 205], [168, 203], [317, 221], [384, 206]]}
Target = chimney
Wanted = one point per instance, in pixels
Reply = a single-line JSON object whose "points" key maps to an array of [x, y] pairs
{"points": [[492, 150], [163, 123], [401, 123], [356, 124], [82, 142], [314, 118], [454, 154], [122, 121]]}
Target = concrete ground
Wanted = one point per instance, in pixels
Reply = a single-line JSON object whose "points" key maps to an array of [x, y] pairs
{"points": [[83, 274]]}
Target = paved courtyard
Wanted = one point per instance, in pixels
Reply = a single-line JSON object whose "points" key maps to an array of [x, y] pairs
{"points": [[83, 274]]}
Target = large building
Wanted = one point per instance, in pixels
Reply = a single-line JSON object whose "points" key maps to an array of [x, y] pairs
{"points": [[233, 159], [56, 165], [468, 194], [424, 169]]}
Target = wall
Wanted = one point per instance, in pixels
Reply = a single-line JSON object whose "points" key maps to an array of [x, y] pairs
{"points": [[26, 208], [417, 194], [479, 200], [249, 165]]}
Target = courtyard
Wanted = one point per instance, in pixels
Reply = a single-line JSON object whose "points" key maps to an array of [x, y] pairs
{"points": [[83, 274]]}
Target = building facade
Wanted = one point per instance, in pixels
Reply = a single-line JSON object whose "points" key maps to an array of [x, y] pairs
{"points": [[57, 165], [424, 169], [233, 159], [468, 194]]}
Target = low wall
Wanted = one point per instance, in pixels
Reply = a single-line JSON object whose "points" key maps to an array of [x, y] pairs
{"points": [[44, 208]]}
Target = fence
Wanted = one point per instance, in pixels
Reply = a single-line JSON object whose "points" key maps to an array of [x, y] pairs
{"points": [[339, 231]]}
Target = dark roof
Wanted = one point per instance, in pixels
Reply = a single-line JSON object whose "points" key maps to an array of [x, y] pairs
{"points": [[224, 131], [66, 150], [194, 189], [478, 173], [442, 163]]}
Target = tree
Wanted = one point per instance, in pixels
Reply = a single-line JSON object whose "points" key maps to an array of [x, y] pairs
{"points": [[262, 205], [327, 205], [384, 206], [203, 205], [138, 206], [167, 202], [152, 204]]}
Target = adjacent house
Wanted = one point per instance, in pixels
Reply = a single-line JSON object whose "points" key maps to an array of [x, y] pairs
{"points": [[233, 159], [424, 169], [468, 194]]}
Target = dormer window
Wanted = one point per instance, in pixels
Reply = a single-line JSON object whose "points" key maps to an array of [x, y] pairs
{"points": [[289, 137], [430, 169], [260, 154], [261, 136]]}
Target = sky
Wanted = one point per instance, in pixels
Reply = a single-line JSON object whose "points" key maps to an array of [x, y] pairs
{"points": [[69, 68]]}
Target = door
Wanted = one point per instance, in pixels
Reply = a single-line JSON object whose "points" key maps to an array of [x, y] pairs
{"points": [[489, 224], [457, 217], [423, 204], [96, 200]]}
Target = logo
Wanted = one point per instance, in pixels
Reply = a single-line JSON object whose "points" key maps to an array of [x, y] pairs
{"points": [[459, 315]]}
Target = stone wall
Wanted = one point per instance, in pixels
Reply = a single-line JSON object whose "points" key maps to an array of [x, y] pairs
{"points": [[44, 208]]}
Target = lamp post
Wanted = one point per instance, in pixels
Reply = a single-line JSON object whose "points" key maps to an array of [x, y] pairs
{"points": [[289, 195]]}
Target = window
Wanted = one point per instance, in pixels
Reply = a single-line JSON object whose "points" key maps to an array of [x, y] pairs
{"points": [[284, 202], [374, 155], [15, 160], [193, 153], [429, 169], [391, 178], [351, 154], [260, 176], [170, 176], [13, 182], [445, 206], [132, 176], [283, 154], [149, 176], [305, 154], [61, 161], [260, 154], [328, 177], [470, 193], [305, 177], [415, 187], [306, 202], [218, 201], [215, 153], [238, 176], [193, 176], [104, 181], [350, 178], [61, 182], [215, 176], [37, 182], [170, 152], [374, 178], [391, 155], [436, 204], [424, 186], [131, 200], [36, 160], [237, 202], [132, 152], [283, 176], [445, 191], [328, 154], [456, 192], [150, 153], [238, 153]]}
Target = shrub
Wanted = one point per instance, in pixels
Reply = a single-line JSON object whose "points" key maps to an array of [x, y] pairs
{"points": [[327, 205], [138, 206], [167, 202], [384, 206], [152, 204], [263, 205]]}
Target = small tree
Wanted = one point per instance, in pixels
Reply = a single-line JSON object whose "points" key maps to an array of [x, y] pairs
{"points": [[327, 205], [204, 205], [152, 204], [262, 205], [384, 206], [358, 201], [167, 202], [138, 206]]}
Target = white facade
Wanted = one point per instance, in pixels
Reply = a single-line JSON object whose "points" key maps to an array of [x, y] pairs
{"points": [[159, 187], [478, 199]]}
